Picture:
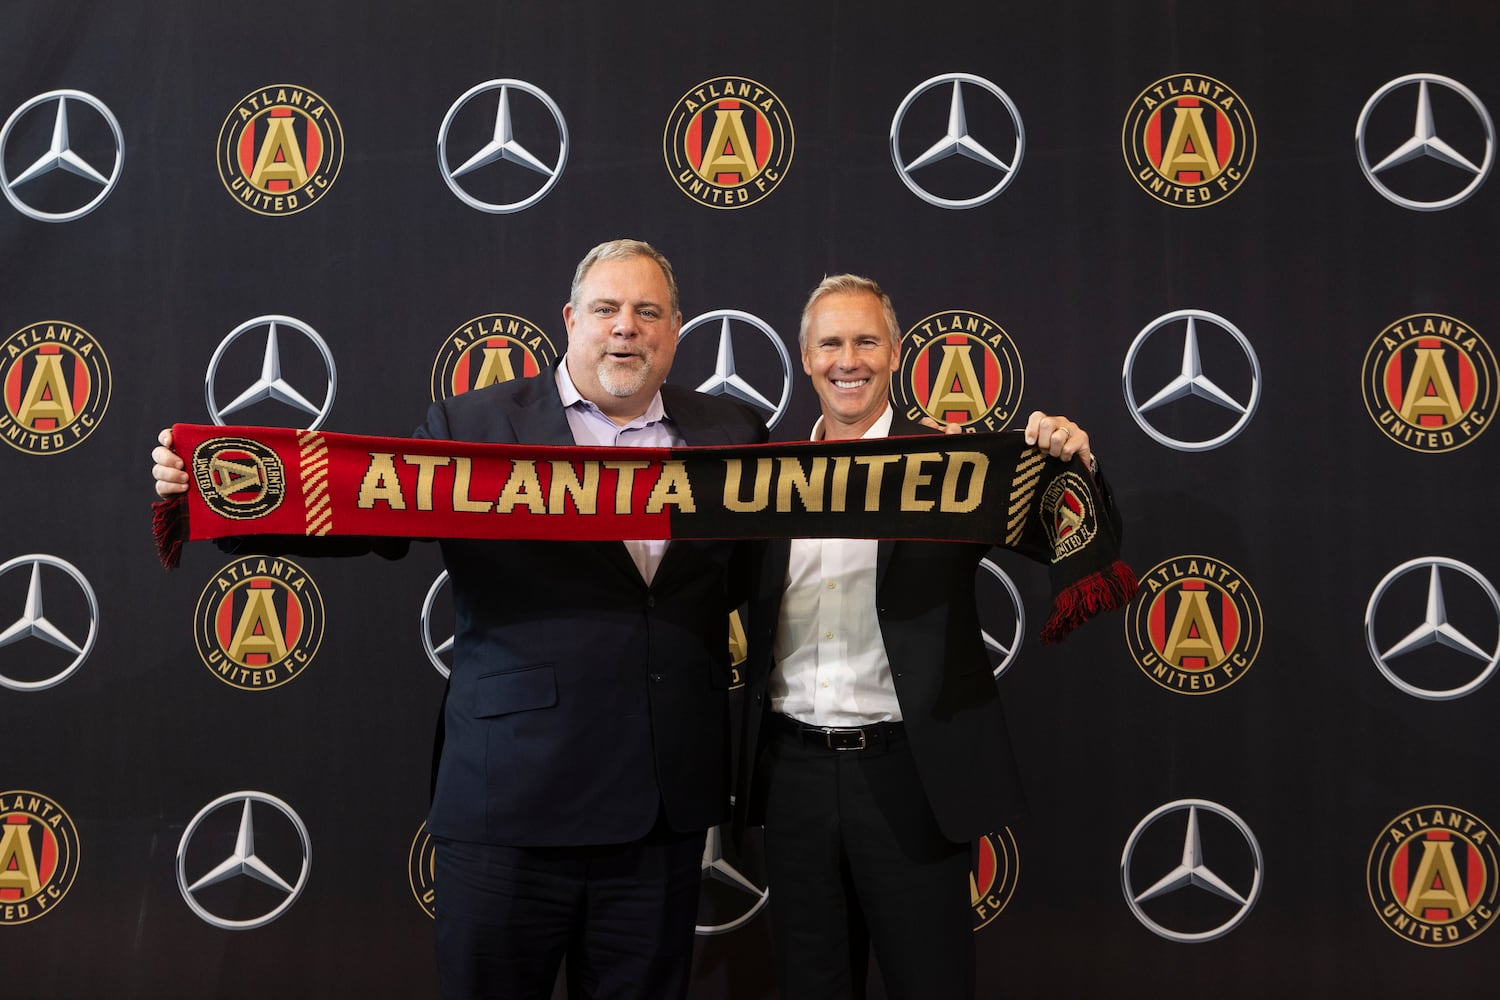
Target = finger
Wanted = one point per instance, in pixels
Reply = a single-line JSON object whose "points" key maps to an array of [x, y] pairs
{"points": [[164, 457], [165, 437], [1033, 426], [1078, 445], [1055, 435], [938, 425]]}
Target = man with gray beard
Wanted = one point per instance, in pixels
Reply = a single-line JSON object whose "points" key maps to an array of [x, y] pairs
{"points": [[583, 749]]}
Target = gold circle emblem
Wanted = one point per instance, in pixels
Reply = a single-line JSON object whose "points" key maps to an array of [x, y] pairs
{"points": [[1429, 383], [495, 347], [993, 877], [1195, 626], [728, 142], [280, 150], [38, 856], [421, 869], [1432, 876], [259, 622], [1189, 140], [56, 382], [238, 478], [960, 367]]}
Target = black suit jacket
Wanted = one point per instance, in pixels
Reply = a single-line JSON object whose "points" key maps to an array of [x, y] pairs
{"points": [[944, 682], [582, 701]]}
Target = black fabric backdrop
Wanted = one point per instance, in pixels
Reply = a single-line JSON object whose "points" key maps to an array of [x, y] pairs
{"points": [[1312, 505]]}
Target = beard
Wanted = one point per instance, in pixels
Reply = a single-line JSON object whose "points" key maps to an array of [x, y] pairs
{"points": [[627, 382]]}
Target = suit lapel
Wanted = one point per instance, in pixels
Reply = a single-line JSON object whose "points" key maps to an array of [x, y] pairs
{"points": [[883, 552], [539, 418], [697, 430]]}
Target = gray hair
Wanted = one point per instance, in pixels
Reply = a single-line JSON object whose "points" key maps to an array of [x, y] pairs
{"points": [[845, 284], [624, 250]]}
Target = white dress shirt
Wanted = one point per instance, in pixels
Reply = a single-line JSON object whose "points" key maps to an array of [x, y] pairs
{"points": [[591, 426], [830, 662]]}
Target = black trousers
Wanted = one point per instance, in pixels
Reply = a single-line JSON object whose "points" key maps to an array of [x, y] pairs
{"points": [[855, 859], [621, 916]]}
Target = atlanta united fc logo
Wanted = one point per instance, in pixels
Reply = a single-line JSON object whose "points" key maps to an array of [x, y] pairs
{"points": [[728, 142], [280, 150], [495, 347], [238, 478], [1195, 626], [56, 382], [38, 856], [1189, 140], [961, 368], [259, 622], [1432, 876], [1429, 383], [1067, 515], [421, 869], [992, 879]]}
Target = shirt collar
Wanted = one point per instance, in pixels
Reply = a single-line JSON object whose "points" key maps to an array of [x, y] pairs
{"points": [[879, 429], [571, 397]]}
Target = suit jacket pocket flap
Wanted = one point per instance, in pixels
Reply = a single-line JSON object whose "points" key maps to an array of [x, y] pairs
{"points": [[515, 691]]}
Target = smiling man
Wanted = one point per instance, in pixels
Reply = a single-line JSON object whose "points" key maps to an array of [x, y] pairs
{"points": [[875, 749], [622, 334], [850, 348], [584, 737]]}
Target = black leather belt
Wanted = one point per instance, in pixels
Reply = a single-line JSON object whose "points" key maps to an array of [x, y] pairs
{"points": [[876, 734]]}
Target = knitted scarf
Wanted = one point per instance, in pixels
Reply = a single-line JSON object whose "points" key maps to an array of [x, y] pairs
{"points": [[986, 488]]}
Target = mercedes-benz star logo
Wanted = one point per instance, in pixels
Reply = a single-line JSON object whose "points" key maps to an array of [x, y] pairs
{"points": [[436, 649], [34, 623], [726, 379], [1003, 649], [959, 141], [1424, 143], [62, 155], [271, 385], [1437, 650], [1228, 411], [243, 861], [743, 894], [500, 145], [1216, 887]]}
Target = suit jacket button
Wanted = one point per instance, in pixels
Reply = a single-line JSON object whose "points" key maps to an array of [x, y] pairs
{"points": [[650, 600], [656, 678]]}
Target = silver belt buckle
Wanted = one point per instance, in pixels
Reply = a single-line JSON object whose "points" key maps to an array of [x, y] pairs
{"points": [[829, 734]]}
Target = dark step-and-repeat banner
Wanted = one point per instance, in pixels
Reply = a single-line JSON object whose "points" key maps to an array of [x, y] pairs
{"points": [[1251, 247]]}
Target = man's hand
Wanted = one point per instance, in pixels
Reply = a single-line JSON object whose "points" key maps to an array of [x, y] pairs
{"points": [[169, 471], [1059, 437], [938, 425]]}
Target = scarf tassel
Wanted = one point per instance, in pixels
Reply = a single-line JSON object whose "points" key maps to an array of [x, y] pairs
{"points": [[1102, 591], [169, 526]]}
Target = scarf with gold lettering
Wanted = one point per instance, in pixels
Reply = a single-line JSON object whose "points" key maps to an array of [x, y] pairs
{"points": [[987, 488]]}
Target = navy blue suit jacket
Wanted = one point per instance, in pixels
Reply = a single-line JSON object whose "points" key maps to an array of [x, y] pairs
{"points": [[582, 701]]}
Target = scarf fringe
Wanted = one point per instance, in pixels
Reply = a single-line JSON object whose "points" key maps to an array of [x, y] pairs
{"points": [[169, 526], [1102, 591]]}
